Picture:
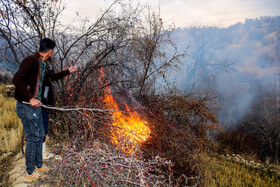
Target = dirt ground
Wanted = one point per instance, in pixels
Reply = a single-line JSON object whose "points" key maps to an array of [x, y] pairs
{"points": [[18, 172]]}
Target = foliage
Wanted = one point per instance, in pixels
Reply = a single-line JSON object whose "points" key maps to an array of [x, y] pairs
{"points": [[219, 172], [10, 125], [5, 166], [98, 165], [236, 140], [113, 41], [23, 24], [258, 131], [11, 130], [181, 131]]}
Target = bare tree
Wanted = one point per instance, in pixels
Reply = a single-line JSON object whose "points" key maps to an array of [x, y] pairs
{"points": [[23, 23], [263, 123], [150, 54], [134, 47], [203, 63]]}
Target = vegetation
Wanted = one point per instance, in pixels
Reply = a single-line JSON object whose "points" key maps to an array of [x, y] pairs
{"points": [[124, 59], [220, 172], [10, 136], [10, 125], [257, 133], [5, 167], [184, 128]]}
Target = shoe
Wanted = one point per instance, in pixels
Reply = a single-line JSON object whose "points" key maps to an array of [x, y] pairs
{"points": [[42, 169], [34, 176]]}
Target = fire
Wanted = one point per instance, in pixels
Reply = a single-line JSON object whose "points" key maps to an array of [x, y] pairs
{"points": [[128, 129]]}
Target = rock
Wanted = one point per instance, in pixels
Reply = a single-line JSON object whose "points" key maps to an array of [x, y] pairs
{"points": [[5, 155], [48, 156], [58, 157], [22, 185]]}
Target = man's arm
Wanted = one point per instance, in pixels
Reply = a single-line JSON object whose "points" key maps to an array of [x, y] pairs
{"points": [[21, 76], [73, 69], [26, 67], [59, 75], [34, 102]]}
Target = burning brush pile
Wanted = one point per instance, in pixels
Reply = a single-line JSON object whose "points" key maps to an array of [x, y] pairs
{"points": [[126, 144]]}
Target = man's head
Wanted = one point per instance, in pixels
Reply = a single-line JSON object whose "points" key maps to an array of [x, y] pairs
{"points": [[46, 47]]}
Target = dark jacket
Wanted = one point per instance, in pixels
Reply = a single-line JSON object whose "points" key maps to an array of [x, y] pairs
{"points": [[27, 78]]}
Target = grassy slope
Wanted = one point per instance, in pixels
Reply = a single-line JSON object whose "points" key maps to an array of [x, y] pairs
{"points": [[10, 125], [10, 135], [221, 172]]}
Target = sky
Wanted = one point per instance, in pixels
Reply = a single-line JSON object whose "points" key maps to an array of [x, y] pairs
{"points": [[184, 13]]}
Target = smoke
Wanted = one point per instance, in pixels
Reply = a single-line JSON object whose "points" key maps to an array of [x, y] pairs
{"points": [[238, 62], [238, 90]]}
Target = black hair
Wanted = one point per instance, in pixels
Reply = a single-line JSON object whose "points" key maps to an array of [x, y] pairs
{"points": [[46, 44]]}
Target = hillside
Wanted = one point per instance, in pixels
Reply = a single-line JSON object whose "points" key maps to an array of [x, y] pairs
{"points": [[253, 45], [6, 71], [236, 61], [117, 139]]}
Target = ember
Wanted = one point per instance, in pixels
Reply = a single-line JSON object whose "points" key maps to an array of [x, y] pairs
{"points": [[128, 129]]}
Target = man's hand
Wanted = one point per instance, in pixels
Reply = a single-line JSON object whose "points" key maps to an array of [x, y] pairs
{"points": [[35, 102], [73, 69]]}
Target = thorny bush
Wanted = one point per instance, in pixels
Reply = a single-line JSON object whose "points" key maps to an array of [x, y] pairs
{"points": [[236, 140], [181, 132], [99, 165], [181, 129]]}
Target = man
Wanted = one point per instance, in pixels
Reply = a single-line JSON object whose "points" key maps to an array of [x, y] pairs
{"points": [[28, 81]]}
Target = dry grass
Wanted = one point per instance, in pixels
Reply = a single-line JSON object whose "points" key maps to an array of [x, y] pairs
{"points": [[10, 125], [220, 172]]}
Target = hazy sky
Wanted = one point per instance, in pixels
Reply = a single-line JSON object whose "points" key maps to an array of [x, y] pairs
{"points": [[186, 12]]}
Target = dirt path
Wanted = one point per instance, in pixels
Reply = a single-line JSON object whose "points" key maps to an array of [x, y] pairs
{"points": [[17, 174]]}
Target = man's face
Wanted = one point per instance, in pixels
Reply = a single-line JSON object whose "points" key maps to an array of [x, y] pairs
{"points": [[50, 53]]}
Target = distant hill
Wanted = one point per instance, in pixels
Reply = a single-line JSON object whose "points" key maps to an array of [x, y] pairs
{"points": [[7, 70], [237, 61], [254, 46]]}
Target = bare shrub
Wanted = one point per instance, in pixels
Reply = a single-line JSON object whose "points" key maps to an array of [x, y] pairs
{"points": [[98, 164], [181, 132]]}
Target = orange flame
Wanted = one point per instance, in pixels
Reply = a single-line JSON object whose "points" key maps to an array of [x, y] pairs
{"points": [[128, 129]]}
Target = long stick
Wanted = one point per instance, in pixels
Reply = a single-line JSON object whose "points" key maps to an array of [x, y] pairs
{"points": [[70, 108]]}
